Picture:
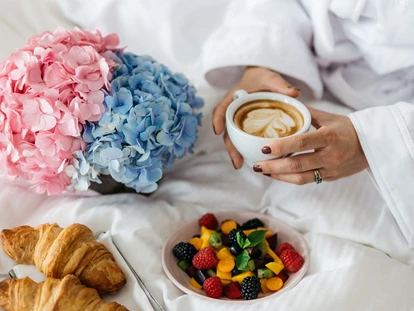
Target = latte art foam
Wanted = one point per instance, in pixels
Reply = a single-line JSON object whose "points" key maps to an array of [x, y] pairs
{"points": [[268, 123], [268, 118]]}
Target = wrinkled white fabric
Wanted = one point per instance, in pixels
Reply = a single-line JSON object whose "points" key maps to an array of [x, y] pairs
{"points": [[359, 260]]}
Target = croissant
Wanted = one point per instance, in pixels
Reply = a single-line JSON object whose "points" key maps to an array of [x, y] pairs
{"points": [[67, 294], [58, 252]]}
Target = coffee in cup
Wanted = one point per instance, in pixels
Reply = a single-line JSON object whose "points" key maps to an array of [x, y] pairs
{"points": [[253, 120], [268, 118]]}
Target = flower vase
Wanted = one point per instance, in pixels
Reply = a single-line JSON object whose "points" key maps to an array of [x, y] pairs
{"points": [[110, 186]]}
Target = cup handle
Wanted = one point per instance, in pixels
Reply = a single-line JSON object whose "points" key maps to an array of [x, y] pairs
{"points": [[239, 93]]}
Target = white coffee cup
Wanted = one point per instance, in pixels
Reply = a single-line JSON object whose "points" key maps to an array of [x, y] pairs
{"points": [[250, 146]]}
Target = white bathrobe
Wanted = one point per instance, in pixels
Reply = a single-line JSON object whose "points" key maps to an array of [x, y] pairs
{"points": [[362, 51]]}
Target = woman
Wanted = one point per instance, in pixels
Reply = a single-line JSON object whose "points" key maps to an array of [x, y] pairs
{"points": [[362, 51]]}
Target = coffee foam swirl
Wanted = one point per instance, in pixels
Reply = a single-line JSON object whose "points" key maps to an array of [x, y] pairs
{"points": [[268, 118], [269, 123]]}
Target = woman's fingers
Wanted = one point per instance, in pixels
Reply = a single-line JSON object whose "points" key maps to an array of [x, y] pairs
{"points": [[300, 178], [279, 85], [219, 113], [290, 165], [235, 156], [297, 143]]}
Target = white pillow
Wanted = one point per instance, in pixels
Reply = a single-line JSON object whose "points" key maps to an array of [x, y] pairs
{"points": [[20, 19]]}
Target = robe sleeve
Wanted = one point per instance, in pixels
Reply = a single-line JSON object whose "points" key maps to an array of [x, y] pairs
{"points": [[276, 34], [387, 137]]}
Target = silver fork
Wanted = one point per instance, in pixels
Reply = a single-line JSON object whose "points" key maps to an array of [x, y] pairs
{"points": [[12, 274], [154, 302]]}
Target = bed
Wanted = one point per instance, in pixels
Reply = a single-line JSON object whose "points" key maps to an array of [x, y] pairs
{"points": [[358, 257]]}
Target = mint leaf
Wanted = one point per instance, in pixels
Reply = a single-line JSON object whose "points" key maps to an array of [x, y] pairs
{"points": [[262, 247], [239, 239], [247, 243], [256, 237], [242, 260], [250, 266]]}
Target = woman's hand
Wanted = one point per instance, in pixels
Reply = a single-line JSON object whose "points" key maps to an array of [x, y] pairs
{"points": [[338, 152], [254, 79]]}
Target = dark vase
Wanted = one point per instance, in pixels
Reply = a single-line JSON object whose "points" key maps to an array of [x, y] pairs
{"points": [[110, 186]]}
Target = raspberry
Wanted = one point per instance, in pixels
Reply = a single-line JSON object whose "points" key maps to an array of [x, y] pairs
{"points": [[209, 221], [233, 290], [184, 251], [250, 287], [252, 224], [232, 236], [205, 259], [282, 247], [213, 287], [291, 260]]}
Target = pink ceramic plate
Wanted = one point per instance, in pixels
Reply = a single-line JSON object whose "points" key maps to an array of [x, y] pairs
{"points": [[284, 233]]}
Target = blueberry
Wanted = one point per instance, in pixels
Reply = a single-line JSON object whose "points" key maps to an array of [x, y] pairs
{"points": [[235, 249], [235, 271]]}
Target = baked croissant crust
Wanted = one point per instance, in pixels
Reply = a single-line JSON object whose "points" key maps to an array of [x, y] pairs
{"points": [[58, 252], [67, 294]]}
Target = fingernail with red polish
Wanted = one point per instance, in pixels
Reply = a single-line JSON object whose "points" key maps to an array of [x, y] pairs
{"points": [[257, 169], [293, 87], [214, 129], [266, 150], [268, 175], [234, 165]]}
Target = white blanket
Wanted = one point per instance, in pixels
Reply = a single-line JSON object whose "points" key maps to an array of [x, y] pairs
{"points": [[359, 260]]}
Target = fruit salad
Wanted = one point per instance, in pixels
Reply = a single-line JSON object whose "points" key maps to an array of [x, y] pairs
{"points": [[237, 261]]}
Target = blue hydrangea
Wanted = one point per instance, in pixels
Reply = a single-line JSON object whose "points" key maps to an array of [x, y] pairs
{"points": [[81, 172], [150, 120]]}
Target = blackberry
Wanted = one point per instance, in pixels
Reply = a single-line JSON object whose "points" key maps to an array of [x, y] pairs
{"points": [[250, 287], [232, 236], [184, 251], [252, 224]]}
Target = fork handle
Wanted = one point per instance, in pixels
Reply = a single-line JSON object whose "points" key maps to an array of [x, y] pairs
{"points": [[153, 301]]}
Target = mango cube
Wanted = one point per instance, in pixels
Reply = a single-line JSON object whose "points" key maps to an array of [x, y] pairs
{"points": [[240, 277], [224, 253], [273, 255], [194, 283], [225, 282], [223, 275], [275, 267]]}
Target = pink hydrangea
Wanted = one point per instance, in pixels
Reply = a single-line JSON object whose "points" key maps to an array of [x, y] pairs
{"points": [[48, 90]]}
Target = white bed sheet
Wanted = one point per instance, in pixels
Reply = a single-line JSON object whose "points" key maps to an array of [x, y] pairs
{"points": [[359, 259]]}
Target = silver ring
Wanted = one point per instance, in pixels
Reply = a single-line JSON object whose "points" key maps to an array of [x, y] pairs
{"points": [[318, 177]]}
